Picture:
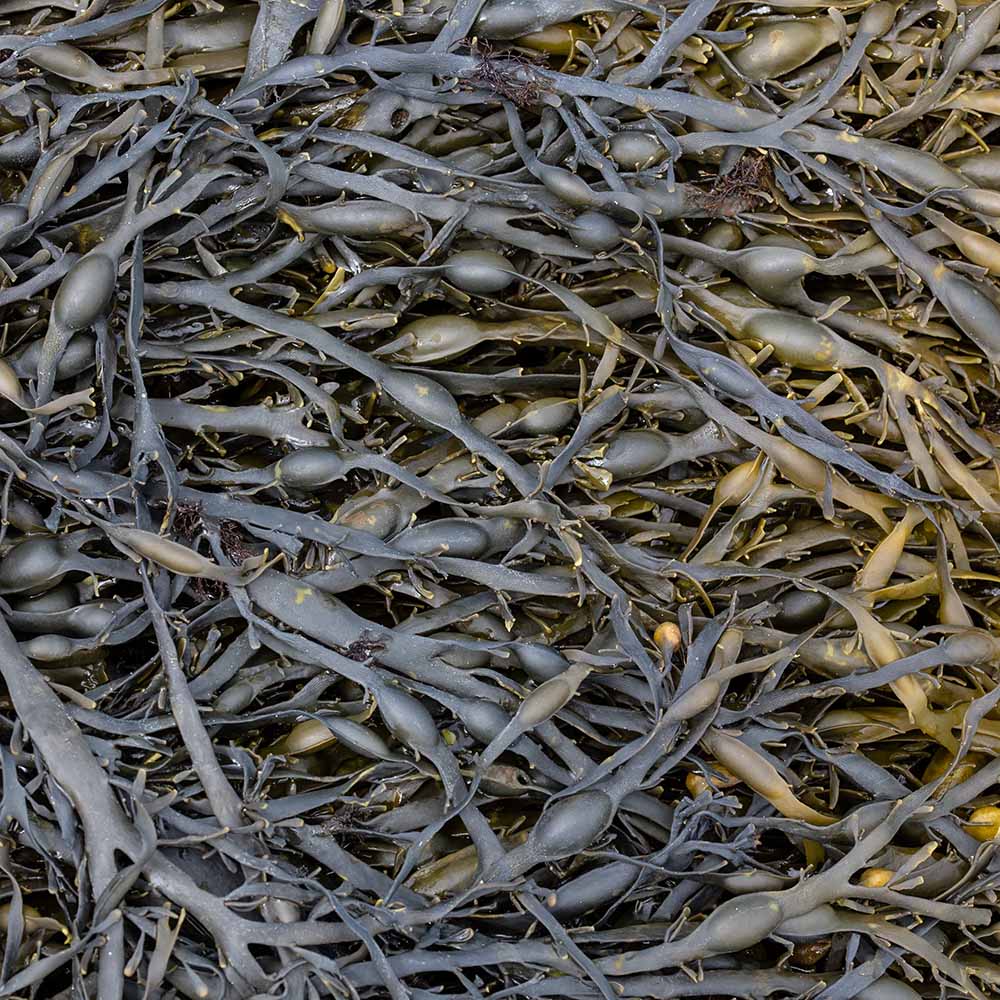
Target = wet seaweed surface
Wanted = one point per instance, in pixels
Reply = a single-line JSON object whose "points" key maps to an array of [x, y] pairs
{"points": [[499, 499]]}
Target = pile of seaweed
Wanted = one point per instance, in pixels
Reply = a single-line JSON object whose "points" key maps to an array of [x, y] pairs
{"points": [[499, 499]]}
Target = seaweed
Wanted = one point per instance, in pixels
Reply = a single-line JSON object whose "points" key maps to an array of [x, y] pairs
{"points": [[498, 499]]}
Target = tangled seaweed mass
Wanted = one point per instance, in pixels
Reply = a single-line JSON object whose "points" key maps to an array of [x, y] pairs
{"points": [[499, 499]]}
